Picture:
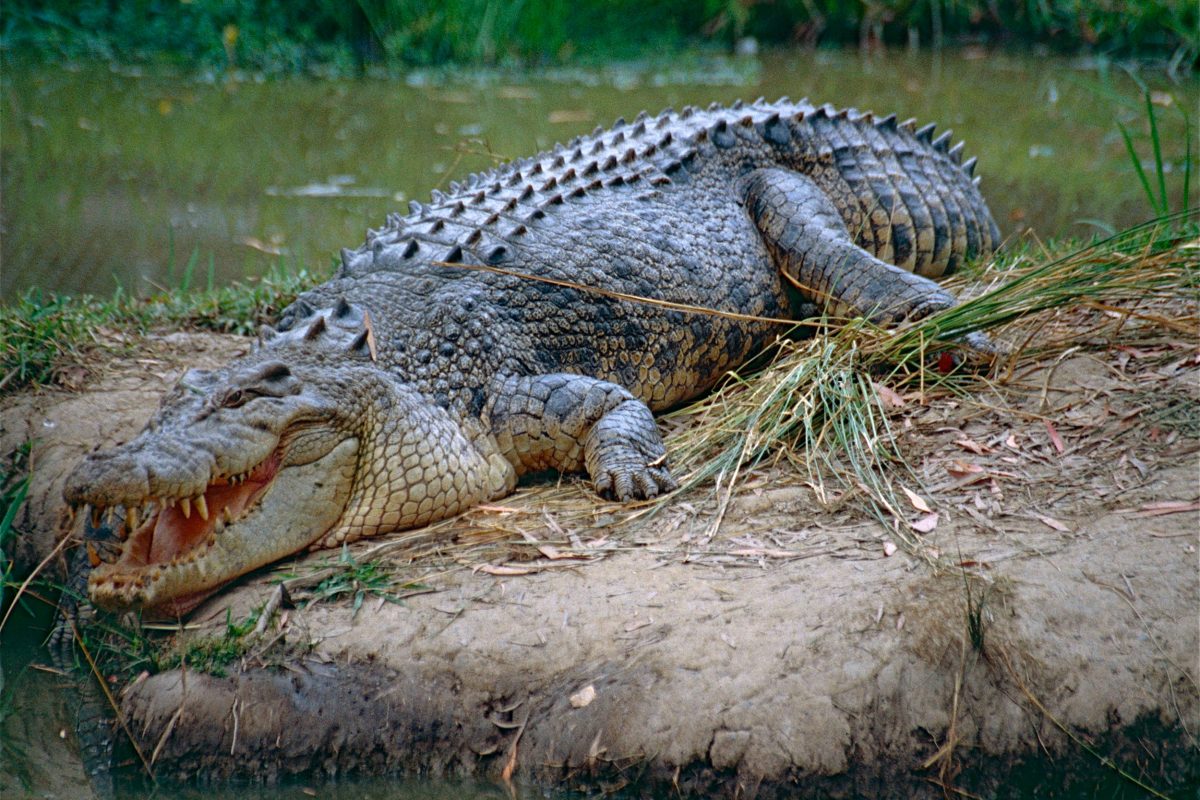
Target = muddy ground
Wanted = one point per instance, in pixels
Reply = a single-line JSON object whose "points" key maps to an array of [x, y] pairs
{"points": [[1046, 637]]}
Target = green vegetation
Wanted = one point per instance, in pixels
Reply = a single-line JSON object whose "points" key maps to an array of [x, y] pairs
{"points": [[358, 580], [42, 335], [285, 36], [125, 650], [122, 651], [212, 654], [14, 485], [1157, 194]]}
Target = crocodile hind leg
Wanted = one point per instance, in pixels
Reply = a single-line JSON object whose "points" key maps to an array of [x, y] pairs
{"points": [[571, 422], [810, 243]]}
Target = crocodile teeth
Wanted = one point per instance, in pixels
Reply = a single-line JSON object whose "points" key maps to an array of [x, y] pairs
{"points": [[202, 507], [131, 518], [97, 512], [185, 505]]}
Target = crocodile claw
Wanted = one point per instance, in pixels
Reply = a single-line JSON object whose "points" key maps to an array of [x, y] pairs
{"points": [[626, 480]]}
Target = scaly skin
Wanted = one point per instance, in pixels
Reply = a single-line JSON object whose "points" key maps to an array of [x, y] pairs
{"points": [[432, 371]]}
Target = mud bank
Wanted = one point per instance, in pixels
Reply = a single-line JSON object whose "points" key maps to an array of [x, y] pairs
{"points": [[785, 652]]}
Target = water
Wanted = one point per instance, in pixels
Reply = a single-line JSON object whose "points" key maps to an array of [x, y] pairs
{"points": [[145, 180]]}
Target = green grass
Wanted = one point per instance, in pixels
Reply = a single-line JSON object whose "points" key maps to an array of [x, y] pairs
{"points": [[122, 649], [350, 578], [42, 335], [14, 486], [212, 654], [1155, 185]]}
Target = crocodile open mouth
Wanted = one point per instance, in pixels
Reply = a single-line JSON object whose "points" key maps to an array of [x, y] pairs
{"points": [[164, 531], [167, 553]]}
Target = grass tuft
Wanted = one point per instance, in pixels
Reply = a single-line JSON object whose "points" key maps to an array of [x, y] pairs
{"points": [[43, 336], [819, 405], [14, 486], [1157, 194], [358, 580]]}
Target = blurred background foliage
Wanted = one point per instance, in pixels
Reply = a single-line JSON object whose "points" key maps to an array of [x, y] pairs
{"points": [[297, 35]]}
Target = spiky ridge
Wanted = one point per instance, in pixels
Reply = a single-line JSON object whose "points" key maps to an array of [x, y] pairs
{"points": [[480, 219]]}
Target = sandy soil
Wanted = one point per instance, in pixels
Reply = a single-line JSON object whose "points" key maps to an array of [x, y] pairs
{"points": [[794, 648]]}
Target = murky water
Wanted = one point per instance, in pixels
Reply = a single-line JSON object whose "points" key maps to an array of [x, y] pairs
{"points": [[119, 177]]}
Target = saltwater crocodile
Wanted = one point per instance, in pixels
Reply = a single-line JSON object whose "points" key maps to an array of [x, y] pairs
{"points": [[494, 332]]}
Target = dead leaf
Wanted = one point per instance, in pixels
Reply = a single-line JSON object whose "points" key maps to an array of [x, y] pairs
{"points": [[583, 697], [1011, 441], [1055, 439], [974, 446], [917, 502], [926, 523], [961, 469], [1053, 523], [888, 397], [889, 549]]}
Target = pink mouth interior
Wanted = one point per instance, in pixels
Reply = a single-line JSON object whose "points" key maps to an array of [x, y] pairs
{"points": [[169, 534]]}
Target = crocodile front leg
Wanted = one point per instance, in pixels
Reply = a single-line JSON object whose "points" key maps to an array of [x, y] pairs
{"points": [[571, 422], [808, 240]]}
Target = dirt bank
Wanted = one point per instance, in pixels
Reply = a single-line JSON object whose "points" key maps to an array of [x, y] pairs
{"points": [[792, 648]]}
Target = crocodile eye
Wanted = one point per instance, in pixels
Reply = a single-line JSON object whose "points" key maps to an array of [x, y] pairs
{"points": [[234, 398]]}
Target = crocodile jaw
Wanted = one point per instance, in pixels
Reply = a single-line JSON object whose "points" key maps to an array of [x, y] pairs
{"points": [[172, 562]]}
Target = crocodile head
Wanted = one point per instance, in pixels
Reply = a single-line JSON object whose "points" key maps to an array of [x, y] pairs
{"points": [[292, 446]]}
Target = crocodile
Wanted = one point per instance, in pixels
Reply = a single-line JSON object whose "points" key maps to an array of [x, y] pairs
{"points": [[532, 317]]}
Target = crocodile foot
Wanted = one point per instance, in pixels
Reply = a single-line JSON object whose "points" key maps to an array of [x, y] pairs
{"points": [[625, 455]]}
